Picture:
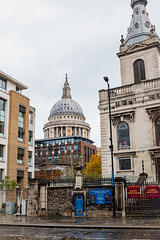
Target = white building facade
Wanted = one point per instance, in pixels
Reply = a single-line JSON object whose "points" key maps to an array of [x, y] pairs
{"points": [[135, 105]]}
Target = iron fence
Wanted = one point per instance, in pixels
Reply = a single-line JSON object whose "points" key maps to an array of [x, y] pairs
{"points": [[97, 182]]}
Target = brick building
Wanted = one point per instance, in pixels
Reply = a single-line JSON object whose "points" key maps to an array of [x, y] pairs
{"points": [[17, 126]]}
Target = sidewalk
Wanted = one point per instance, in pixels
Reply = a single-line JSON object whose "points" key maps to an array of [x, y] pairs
{"points": [[68, 222]]}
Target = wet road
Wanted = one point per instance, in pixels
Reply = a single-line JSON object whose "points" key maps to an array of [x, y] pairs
{"points": [[20, 233]]}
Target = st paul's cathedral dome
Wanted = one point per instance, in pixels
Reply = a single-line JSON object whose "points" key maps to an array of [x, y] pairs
{"points": [[66, 118]]}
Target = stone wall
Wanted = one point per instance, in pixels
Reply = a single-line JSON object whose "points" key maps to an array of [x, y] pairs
{"points": [[60, 201]]}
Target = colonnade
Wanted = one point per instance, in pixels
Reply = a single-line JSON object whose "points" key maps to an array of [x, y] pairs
{"points": [[55, 132]]}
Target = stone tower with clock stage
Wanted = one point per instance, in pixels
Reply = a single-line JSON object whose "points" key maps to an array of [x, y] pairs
{"points": [[135, 105]]}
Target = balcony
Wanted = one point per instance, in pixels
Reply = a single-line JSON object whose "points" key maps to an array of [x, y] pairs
{"points": [[130, 90]]}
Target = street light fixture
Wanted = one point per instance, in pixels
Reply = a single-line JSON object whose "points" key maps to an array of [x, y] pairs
{"points": [[111, 147]]}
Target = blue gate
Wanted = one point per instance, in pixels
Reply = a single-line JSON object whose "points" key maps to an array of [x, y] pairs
{"points": [[79, 205]]}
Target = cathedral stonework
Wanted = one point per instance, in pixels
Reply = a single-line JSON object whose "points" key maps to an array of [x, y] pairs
{"points": [[135, 105]]}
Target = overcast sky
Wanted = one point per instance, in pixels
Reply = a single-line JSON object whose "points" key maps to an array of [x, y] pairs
{"points": [[42, 40]]}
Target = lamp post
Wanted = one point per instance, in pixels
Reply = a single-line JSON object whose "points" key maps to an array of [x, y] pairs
{"points": [[111, 147]]}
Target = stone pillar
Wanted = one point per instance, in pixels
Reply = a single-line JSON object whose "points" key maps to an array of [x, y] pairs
{"points": [[32, 203], [120, 195], [43, 196], [53, 132], [79, 180]]}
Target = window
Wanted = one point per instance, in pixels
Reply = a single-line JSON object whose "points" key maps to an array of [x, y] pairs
{"points": [[157, 130], [2, 84], [125, 163], [1, 174], [17, 89], [21, 123], [50, 152], [139, 71], [76, 146], [20, 155], [30, 137], [1, 153], [30, 117], [69, 147], [123, 135], [56, 150], [2, 117], [29, 158]]}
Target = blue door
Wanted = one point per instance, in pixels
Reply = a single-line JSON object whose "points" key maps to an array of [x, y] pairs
{"points": [[79, 205]]}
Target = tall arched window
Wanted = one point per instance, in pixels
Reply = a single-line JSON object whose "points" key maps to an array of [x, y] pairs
{"points": [[139, 70], [157, 130], [123, 135]]}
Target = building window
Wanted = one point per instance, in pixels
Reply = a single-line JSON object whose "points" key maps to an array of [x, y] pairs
{"points": [[139, 71], [1, 174], [125, 163], [29, 158], [20, 155], [2, 117], [30, 118], [2, 84], [30, 137], [123, 135], [1, 153], [21, 123], [157, 130], [56, 150], [17, 90], [76, 146]]}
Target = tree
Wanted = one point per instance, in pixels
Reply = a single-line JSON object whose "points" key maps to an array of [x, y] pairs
{"points": [[94, 166], [8, 184]]}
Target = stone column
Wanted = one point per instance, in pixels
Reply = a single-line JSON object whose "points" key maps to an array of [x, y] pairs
{"points": [[79, 180], [120, 195], [43, 204], [61, 131]]}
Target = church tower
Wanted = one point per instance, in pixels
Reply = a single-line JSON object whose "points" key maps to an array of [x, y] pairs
{"points": [[140, 50], [135, 105]]}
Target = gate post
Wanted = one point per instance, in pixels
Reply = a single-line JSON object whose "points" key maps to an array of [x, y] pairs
{"points": [[120, 195]]}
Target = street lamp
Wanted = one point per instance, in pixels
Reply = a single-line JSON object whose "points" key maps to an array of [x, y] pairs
{"points": [[111, 147]]}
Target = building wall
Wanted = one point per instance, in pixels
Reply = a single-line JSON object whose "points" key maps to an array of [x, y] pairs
{"points": [[60, 201], [13, 143], [138, 108], [128, 56], [75, 147]]}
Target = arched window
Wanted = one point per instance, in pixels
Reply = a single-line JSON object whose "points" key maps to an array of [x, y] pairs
{"points": [[139, 71], [123, 135], [157, 130]]}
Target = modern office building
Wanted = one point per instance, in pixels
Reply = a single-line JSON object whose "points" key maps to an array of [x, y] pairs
{"points": [[17, 132]]}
